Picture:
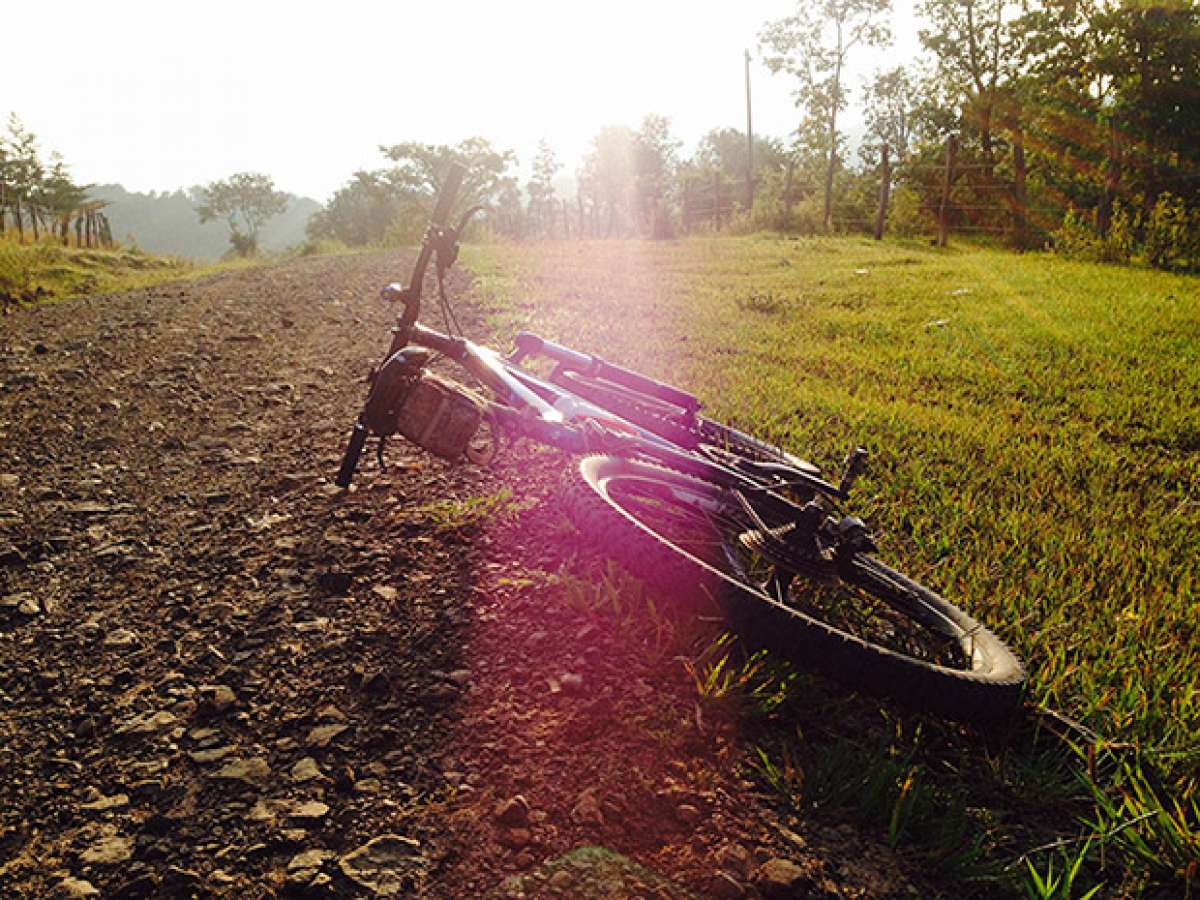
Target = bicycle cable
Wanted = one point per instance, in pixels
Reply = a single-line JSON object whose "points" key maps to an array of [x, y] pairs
{"points": [[448, 315]]}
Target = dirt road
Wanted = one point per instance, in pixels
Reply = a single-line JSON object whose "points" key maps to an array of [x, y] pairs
{"points": [[219, 675]]}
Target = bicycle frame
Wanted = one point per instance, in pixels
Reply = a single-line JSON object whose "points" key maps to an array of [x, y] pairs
{"points": [[538, 408]]}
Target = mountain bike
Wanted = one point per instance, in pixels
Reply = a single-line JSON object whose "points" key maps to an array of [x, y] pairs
{"points": [[685, 502]]}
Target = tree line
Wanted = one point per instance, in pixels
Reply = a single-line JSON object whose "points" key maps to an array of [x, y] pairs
{"points": [[1073, 123], [39, 198], [630, 182]]}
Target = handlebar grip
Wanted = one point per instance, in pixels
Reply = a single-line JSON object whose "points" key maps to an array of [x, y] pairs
{"points": [[448, 193]]}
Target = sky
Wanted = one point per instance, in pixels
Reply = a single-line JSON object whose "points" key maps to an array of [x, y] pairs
{"points": [[160, 95]]}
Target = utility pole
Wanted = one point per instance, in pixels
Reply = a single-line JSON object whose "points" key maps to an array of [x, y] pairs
{"points": [[749, 143]]}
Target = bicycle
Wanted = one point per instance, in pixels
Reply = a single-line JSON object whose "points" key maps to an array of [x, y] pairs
{"points": [[683, 500]]}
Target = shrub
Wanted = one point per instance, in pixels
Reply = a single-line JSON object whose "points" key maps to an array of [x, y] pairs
{"points": [[1172, 234], [1119, 244], [807, 217], [321, 247], [906, 217], [1077, 238], [243, 245], [19, 265], [405, 231]]}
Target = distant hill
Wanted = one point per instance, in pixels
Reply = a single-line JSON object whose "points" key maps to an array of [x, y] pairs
{"points": [[167, 223]]}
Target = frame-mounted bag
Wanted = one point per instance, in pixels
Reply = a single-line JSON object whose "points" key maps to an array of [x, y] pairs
{"points": [[441, 416]]}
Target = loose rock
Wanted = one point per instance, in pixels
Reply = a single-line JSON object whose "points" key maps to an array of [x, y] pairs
{"points": [[252, 771], [571, 683], [322, 735], [76, 887], [120, 638], [303, 867], [513, 812], [101, 804], [306, 770], [389, 865], [212, 755], [515, 838], [216, 698], [587, 810], [782, 879], [311, 810], [108, 851], [148, 723], [687, 814]]}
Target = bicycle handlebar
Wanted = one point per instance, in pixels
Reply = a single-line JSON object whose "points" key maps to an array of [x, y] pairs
{"points": [[436, 237], [448, 194]]}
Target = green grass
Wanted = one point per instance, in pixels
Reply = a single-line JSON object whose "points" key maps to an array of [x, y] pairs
{"points": [[46, 270], [470, 512], [1034, 425]]}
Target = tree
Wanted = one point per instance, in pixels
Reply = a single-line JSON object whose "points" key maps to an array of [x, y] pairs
{"points": [[606, 180], [364, 209], [1096, 100], [246, 201], [423, 167], [978, 51], [655, 160], [24, 172], [1155, 63], [813, 46], [889, 104], [394, 203], [61, 197], [541, 188], [508, 215], [724, 150]]}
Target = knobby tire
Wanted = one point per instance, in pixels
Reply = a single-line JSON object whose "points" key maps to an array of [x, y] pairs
{"points": [[986, 684]]}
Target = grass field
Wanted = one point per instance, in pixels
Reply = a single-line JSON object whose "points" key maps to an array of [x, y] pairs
{"points": [[46, 270], [1035, 437]]}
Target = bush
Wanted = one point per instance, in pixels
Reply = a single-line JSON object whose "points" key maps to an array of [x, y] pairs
{"points": [[243, 245], [19, 264], [905, 217], [767, 215], [321, 247], [808, 216], [1119, 244], [405, 231], [1172, 234], [1077, 237]]}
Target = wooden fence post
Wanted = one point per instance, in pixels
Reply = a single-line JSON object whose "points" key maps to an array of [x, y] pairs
{"points": [[717, 200], [947, 181], [885, 185], [684, 207], [1112, 181], [787, 192], [1019, 207]]}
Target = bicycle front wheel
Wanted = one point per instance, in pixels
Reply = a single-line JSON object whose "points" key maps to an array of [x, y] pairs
{"points": [[870, 626]]}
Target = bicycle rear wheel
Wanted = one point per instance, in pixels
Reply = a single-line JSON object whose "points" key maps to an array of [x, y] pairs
{"points": [[871, 626]]}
